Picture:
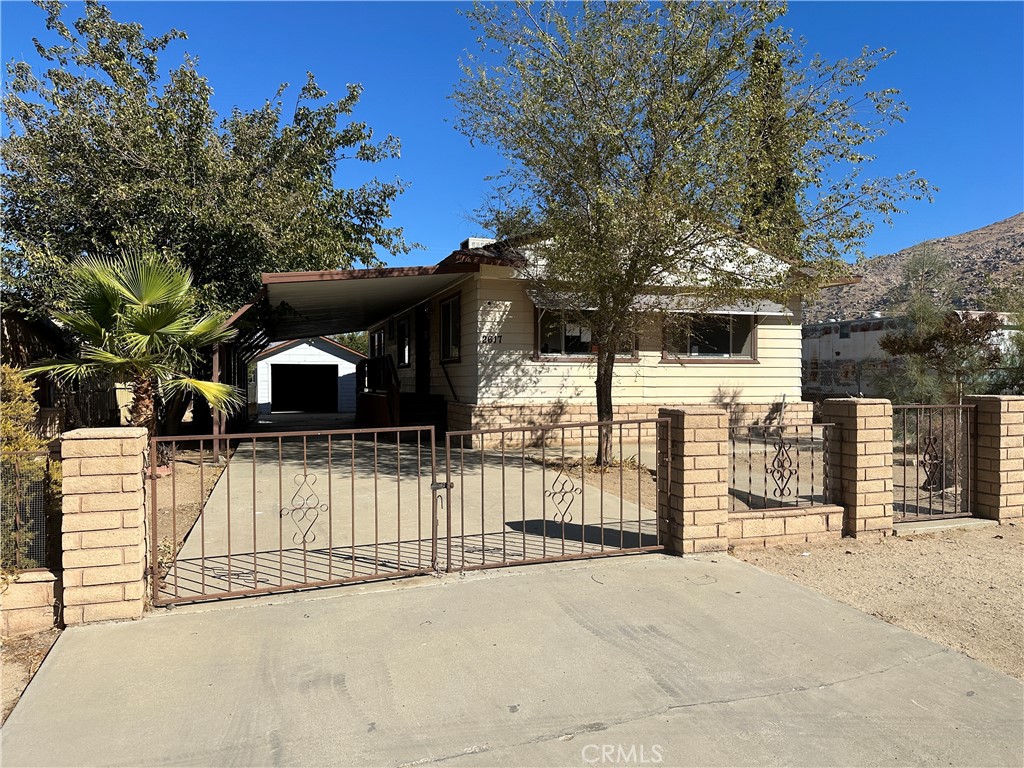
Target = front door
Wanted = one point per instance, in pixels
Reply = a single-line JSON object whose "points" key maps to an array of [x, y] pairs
{"points": [[422, 314]]}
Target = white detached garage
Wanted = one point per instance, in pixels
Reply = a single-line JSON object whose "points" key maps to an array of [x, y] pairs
{"points": [[316, 375]]}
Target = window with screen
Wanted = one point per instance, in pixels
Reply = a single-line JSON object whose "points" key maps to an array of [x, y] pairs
{"points": [[402, 334]]}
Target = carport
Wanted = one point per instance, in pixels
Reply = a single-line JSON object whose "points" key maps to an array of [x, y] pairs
{"points": [[294, 305]]}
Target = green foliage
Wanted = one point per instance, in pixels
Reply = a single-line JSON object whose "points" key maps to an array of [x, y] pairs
{"points": [[940, 355], [958, 353], [769, 217], [23, 483], [641, 138], [138, 321], [358, 341], [18, 410], [105, 152]]}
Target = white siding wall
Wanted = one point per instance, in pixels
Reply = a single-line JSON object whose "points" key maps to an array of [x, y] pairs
{"points": [[307, 354], [503, 371], [508, 373]]}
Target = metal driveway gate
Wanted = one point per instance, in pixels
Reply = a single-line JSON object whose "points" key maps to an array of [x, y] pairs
{"points": [[291, 510], [534, 494], [933, 461]]}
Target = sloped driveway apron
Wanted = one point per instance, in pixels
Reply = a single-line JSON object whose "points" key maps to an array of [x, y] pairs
{"points": [[694, 661]]}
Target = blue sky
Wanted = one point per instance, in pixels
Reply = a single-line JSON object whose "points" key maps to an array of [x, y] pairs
{"points": [[960, 67]]}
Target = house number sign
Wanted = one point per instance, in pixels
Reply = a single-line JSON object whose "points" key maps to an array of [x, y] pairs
{"points": [[490, 338]]}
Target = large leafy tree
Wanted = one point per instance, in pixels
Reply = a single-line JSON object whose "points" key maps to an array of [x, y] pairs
{"points": [[105, 150], [642, 138], [137, 319]]}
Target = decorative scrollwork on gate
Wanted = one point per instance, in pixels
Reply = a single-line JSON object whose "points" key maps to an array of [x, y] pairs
{"points": [[563, 492], [932, 460], [781, 468], [305, 509]]}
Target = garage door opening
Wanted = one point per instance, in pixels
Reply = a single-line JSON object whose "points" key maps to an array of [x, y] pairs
{"points": [[304, 388]]}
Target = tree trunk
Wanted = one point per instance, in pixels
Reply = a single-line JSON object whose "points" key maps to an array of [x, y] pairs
{"points": [[603, 384], [143, 410]]}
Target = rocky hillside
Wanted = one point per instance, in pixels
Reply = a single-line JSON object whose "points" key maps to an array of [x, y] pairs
{"points": [[979, 259]]}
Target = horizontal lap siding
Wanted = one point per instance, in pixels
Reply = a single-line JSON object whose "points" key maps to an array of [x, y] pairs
{"points": [[508, 374], [307, 354], [462, 373]]}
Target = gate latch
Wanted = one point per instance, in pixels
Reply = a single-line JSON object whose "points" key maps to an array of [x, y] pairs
{"points": [[441, 486]]}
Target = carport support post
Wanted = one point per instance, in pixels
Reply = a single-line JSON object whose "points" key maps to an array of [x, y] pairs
{"points": [[999, 478], [693, 503], [103, 524], [860, 463]]}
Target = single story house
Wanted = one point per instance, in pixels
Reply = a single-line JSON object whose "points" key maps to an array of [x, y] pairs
{"points": [[469, 336], [312, 375]]}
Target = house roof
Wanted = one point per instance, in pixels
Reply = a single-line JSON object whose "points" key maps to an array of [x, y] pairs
{"points": [[285, 345], [304, 304]]}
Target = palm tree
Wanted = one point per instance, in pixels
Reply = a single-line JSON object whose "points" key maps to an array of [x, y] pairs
{"points": [[138, 321]]}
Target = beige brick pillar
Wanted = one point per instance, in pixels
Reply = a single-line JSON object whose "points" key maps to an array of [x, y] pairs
{"points": [[999, 457], [860, 453], [693, 502], [103, 528]]}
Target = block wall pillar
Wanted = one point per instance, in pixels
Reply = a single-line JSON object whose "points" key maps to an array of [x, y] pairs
{"points": [[693, 501], [999, 456], [860, 452], [103, 524]]}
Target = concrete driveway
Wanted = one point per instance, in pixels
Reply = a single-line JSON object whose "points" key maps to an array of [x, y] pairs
{"points": [[643, 660]]}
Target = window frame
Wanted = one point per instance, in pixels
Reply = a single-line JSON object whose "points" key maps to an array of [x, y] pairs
{"points": [[445, 316], [685, 358], [403, 332], [376, 343], [562, 357]]}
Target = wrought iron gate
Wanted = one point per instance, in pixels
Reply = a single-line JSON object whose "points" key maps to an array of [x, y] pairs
{"points": [[283, 511], [290, 510], [535, 494], [933, 461]]}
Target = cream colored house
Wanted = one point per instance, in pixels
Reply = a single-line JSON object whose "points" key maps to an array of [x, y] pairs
{"points": [[466, 344], [499, 356]]}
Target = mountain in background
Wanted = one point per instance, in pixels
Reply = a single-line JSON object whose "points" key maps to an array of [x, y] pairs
{"points": [[979, 260]]}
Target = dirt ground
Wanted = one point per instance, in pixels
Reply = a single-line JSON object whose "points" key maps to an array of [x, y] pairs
{"points": [[963, 588], [179, 500], [627, 479], [20, 657]]}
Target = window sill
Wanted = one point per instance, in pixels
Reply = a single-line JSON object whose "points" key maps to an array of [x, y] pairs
{"points": [[709, 360], [578, 359]]}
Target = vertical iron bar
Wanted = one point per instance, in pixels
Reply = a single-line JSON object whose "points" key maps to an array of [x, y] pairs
{"points": [[433, 498], [601, 469], [561, 515], [255, 565], [202, 521], [622, 488], [543, 497], [305, 477], [639, 489], [419, 500], [280, 514], [504, 548], [376, 512], [522, 467], [154, 563], [462, 500], [398, 497], [330, 509], [583, 485], [483, 524], [227, 487], [352, 495], [174, 512]]}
